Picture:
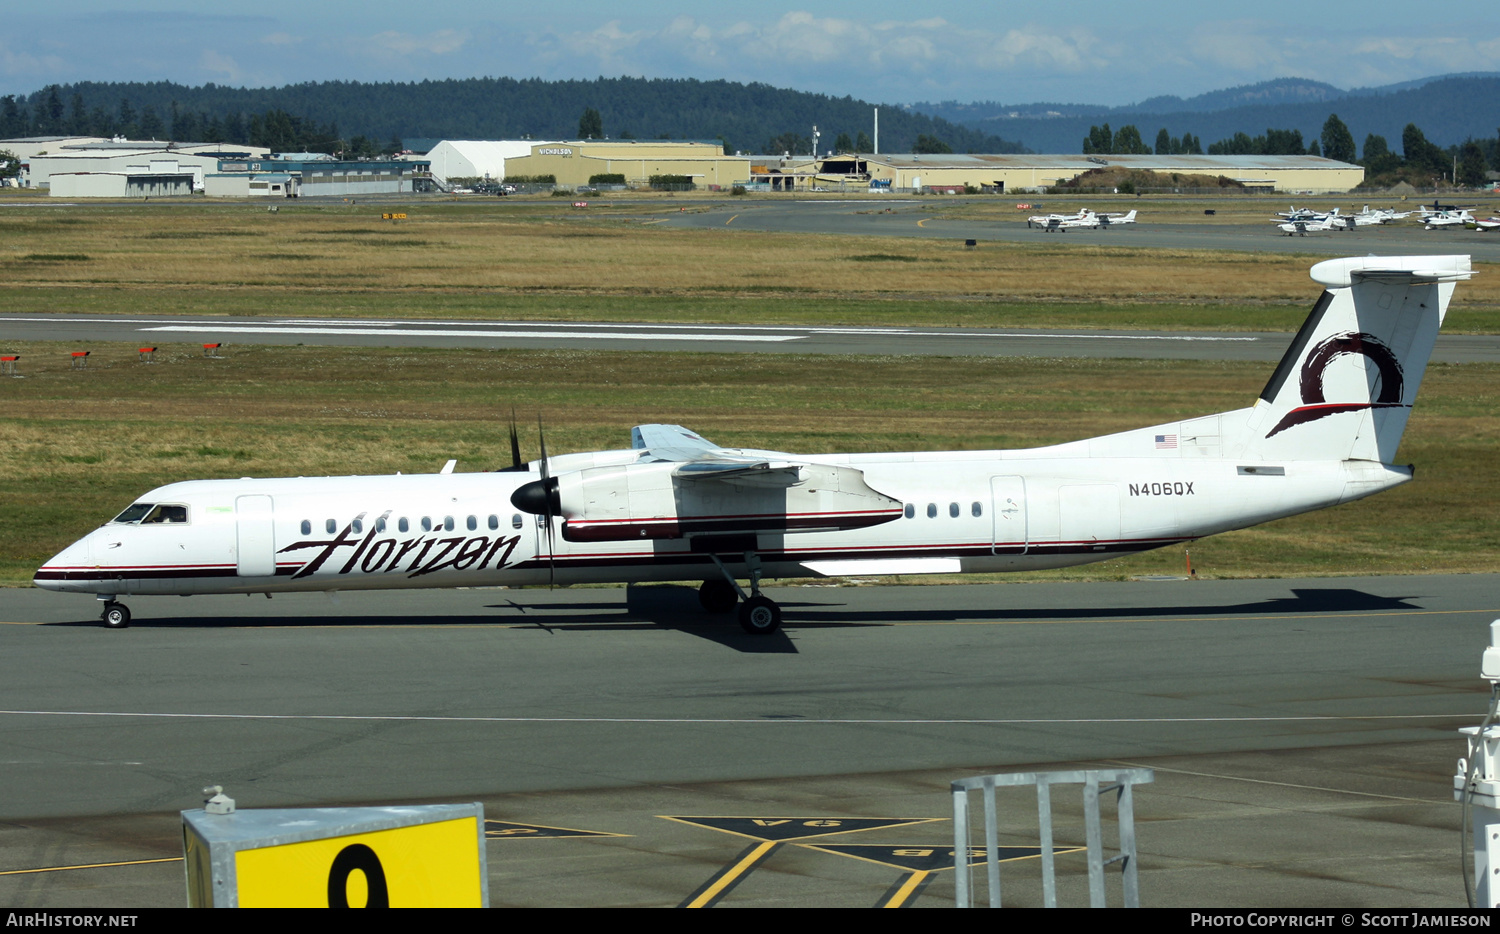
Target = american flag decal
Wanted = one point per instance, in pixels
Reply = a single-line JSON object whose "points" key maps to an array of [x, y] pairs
{"points": [[1165, 442]]}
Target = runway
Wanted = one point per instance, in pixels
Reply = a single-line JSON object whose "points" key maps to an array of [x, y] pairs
{"points": [[705, 338], [618, 706]]}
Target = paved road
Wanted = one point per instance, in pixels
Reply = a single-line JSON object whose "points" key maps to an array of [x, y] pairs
{"points": [[514, 696], [349, 332], [922, 218]]}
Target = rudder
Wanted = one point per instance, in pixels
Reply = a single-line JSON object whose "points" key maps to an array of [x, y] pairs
{"points": [[1345, 387]]}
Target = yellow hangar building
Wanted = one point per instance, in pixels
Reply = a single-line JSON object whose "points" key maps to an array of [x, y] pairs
{"points": [[574, 162], [1004, 173]]}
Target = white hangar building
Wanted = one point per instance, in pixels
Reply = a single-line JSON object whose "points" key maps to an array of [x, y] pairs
{"points": [[477, 158], [131, 157]]}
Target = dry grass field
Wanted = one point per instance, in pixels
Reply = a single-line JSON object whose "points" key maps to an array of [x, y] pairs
{"points": [[76, 446], [543, 260]]}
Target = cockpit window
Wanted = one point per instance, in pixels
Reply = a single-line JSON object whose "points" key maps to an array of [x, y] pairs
{"points": [[133, 513], [166, 514]]}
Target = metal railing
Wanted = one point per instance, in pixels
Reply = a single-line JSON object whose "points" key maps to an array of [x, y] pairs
{"points": [[1096, 782]]}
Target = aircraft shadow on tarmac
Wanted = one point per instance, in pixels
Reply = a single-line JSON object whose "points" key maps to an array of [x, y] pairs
{"points": [[676, 609]]}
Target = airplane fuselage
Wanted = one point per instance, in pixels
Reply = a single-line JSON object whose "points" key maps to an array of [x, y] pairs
{"points": [[963, 512]]}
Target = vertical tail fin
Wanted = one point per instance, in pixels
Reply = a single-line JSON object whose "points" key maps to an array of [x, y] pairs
{"points": [[1346, 386]]}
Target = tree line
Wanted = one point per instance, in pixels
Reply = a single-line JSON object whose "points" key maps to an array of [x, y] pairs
{"points": [[1420, 163], [744, 117], [274, 128]]}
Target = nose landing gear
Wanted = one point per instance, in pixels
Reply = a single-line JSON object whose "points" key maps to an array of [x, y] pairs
{"points": [[115, 615]]}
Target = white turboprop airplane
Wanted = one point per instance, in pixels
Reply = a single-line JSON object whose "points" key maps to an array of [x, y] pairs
{"points": [[674, 506]]}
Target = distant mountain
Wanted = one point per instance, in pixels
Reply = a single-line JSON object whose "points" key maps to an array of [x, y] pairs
{"points": [[1278, 91], [1448, 108], [746, 116]]}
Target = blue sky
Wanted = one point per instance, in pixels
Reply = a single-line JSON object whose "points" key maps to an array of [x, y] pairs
{"points": [[1087, 51]]}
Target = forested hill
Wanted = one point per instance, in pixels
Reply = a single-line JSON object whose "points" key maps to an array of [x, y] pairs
{"points": [[749, 117], [1449, 110]]}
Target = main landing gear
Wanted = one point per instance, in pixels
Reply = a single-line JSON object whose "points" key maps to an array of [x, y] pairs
{"points": [[115, 615], [759, 615]]}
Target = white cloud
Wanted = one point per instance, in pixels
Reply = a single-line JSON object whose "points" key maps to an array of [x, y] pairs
{"points": [[801, 46], [392, 43], [221, 66], [35, 64]]}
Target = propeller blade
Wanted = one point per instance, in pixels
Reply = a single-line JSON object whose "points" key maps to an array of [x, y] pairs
{"points": [[515, 445], [516, 464], [541, 435]]}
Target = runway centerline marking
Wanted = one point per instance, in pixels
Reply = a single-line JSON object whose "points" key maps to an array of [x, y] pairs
{"points": [[425, 332], [721, 721]]}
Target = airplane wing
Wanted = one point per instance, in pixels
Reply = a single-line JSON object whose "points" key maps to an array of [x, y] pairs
{"points": [[697, 458], [672, 443], [684, 485]]}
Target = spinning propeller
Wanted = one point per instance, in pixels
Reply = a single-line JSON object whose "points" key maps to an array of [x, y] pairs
{"points": [[539, 497]]}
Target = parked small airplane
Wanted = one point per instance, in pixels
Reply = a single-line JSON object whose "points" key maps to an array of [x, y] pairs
{"points": [[675, 506], [1302, 228], [1294, 213], [1368, 218], [1451, 217]]}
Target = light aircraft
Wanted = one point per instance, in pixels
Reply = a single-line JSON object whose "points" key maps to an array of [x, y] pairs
{"points": [[1294, 213], [1302, 228], [1051, 222], [675, 506], [1084, 219], [1454, 217], [1485, 224], [1367, 217]]}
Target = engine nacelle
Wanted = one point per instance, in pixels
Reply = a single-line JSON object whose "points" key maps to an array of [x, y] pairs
{"points": [[635, 502]]}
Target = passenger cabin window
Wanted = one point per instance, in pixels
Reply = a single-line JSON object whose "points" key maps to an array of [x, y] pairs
{"points": [[359, 526], [910, 510], [932, 510], [306, 527], [427, 523], [472, 523], [447, 523], [330, 525], [166, 514], [494, 522], [977, 509], [515, 521], [380, 524], [953, 510], [403, 525]]}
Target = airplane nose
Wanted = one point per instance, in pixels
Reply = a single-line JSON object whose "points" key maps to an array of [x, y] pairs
{"points": [[55, 573]]}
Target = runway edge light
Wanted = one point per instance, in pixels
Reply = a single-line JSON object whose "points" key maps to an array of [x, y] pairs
{"points": [[422, 856]]}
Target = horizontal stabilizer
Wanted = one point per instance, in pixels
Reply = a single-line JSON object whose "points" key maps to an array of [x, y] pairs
{"points": [[1341, 273]]}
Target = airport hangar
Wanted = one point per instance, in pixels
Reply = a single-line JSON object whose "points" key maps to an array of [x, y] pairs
{"points": [[574, 162], [84, 167], [913, 172]]}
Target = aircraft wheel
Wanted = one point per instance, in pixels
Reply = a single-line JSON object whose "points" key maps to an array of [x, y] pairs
{"points": [[717, 596], [116, 615], [760, 616]]}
